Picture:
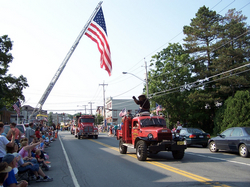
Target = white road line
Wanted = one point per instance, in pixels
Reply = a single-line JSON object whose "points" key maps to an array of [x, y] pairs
{"points": [[242, 163], [69, 165]]}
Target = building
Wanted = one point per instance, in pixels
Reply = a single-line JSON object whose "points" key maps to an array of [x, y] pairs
{"points": [[115, 106]]}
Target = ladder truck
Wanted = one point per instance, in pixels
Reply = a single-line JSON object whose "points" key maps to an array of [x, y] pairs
{"points": [[52, 83]]}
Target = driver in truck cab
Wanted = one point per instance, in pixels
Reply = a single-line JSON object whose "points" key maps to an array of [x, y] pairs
{"points": [[143, 102]]}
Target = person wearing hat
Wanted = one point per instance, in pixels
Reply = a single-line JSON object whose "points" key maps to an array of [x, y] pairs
{"points": [[5, 142], [11, 179], [143, 102], [4, 171]]}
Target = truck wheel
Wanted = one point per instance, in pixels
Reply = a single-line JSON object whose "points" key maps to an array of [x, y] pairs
{"points": [[78, 136], [96, 136], [141, 150], [178, 155], [122, 148]]}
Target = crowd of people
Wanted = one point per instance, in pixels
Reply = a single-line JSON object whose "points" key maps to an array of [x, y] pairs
{"points": [[19, 153]]}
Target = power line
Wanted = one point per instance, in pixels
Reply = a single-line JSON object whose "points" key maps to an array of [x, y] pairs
{"points": [[192, 83]]}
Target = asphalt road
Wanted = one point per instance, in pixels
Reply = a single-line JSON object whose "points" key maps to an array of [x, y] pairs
{"points": [[98, 163]]}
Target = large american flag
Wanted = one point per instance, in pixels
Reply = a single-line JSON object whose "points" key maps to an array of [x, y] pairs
{"points": [[17, 107], [98, 33]]}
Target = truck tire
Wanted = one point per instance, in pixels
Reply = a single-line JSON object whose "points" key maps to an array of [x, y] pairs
{"points": [[122, 148], [78, 136], [141, 150], [178, 155], [96, 136]]}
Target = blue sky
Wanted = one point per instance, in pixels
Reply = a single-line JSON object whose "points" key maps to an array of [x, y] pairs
{"points": [[43, 32]]}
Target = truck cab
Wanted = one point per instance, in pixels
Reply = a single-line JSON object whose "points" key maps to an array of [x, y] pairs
{"points": [[149, 134], [85, 127]]}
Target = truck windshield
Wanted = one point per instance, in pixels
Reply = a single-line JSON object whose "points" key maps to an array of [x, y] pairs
{"points": [[153, 122], [87, 120]]}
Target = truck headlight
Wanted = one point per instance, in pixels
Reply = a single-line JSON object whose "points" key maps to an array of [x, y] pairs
{"points": [[150, 136]]}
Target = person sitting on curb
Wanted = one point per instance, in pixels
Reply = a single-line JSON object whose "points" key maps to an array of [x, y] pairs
{"points": [[25, 165], [26, 149], [11, 179], [41, 160], [4, 172]]}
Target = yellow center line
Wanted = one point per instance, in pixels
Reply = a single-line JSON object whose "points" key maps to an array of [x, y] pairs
{"points": [[172, 169]]}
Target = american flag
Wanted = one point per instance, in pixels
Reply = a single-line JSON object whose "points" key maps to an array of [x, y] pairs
{"points": [[158, 108], [123, 112], [17, 106], [98, 33]]}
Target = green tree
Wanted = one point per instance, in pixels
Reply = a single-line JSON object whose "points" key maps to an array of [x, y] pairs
{"points": [[98, 119], [170, 71], [236, 113], [50, 118], [11, 88], [218, 44], [232, 52]]}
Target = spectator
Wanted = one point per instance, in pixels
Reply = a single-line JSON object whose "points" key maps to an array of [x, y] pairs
{"points": [[5, 142], [58, 127], [26, 149], [30, 133], [178, 125], [4, 171], [41, 160], [11, 179], [38, 133], [25, 165], [17, 133]]}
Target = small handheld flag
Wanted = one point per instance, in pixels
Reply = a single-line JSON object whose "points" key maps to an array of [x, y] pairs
{"points": [[17, 107], [158, 108], [123, 112]]}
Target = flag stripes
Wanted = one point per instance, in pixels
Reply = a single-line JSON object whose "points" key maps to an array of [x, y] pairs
{"points": [[98, 34], [16, 107]]}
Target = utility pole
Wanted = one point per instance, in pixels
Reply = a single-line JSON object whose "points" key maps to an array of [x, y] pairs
{"points": [[104, 111], [91, 107], [146, 76], [84, 106]]}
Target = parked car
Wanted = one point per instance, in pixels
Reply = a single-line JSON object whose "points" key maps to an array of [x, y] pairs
{"points": [[235, 139], [21, 127], [195, 136]]}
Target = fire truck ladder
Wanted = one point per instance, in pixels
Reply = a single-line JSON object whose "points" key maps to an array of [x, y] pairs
{"points": [[63, 64]]}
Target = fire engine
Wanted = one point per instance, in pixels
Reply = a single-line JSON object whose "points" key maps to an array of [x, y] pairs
{"points": [[85, 127], [149, 134]]}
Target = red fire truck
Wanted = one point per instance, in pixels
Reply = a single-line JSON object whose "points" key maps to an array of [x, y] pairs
{"points": [[149, 134], [85, 127]]}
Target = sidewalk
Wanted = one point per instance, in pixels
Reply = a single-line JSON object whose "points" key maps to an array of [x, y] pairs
{"points": [[59, 169]]}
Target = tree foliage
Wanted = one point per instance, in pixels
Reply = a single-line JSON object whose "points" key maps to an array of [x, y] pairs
{"points": [[235, 112], [193, 82], [11, 87]]}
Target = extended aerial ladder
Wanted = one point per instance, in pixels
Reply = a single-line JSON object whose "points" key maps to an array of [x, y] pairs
{"points": [[63, 64]]}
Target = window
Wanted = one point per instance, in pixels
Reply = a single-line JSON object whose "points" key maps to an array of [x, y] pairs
{"points": [[237, 132], [115, 113], [183, 131], [227, 132], [87, 120]]}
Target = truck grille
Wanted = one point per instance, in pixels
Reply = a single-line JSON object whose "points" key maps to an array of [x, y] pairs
{"points": [[88, 129], [164, 136]]}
